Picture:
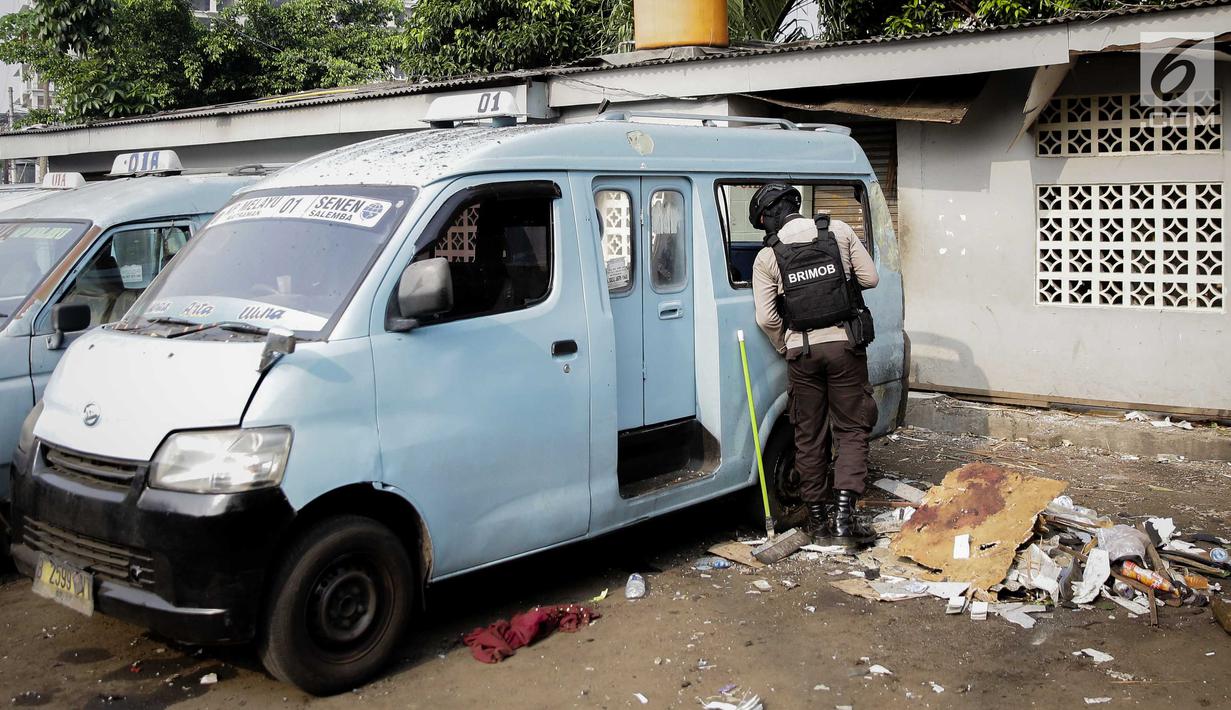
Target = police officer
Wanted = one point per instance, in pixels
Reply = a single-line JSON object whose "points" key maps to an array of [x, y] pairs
{"points": [[810, 308]]}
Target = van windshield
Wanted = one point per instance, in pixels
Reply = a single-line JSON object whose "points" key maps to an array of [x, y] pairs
{"points": [[290, 258], [28, 250]]}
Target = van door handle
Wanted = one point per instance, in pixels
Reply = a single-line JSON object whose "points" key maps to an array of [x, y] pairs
{"points": [[669, 310], [561, 348]]}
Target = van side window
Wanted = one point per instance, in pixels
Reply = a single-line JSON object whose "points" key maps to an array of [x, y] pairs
{"points": [[499, 253], [118, 272], [668, 242], [615, 215], [842, 201]]}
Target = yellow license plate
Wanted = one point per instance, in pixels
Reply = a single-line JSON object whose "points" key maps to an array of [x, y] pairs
{"points": [[64, 583]]}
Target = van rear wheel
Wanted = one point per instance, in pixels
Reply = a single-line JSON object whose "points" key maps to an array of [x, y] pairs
{"points": [[339, 603], [781, 481]]}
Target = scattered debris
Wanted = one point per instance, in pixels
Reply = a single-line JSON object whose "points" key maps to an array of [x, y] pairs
{"points": [[891, 521], [1095, 654], [936, 687], [878, 669], [708, 563], [1163, 423], [601, 596], [209, 679], [762, 585], [641, 698], [747, 702], [978, 611], [1097, 701]]}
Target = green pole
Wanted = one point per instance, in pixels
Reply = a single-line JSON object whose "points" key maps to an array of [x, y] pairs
{"points": [[756, 435]]}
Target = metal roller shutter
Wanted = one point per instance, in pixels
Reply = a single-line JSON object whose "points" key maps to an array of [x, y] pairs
{"points": [[879, 141]]}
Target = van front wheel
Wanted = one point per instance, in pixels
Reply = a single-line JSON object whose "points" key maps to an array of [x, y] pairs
{"points": [[340, 600]]}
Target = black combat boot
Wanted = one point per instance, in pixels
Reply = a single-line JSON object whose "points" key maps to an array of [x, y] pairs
{"points": [[848, 530], [820, 521]]}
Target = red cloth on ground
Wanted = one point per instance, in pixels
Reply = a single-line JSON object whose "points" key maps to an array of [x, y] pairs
{"points": [[502, 639]]}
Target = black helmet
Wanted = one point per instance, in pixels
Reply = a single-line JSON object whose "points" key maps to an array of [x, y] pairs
{"points": [[767, 198]]}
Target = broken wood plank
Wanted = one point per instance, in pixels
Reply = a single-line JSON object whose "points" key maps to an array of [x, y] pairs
{"points": [[899, 489], [1222, 612], [1153, 608]]}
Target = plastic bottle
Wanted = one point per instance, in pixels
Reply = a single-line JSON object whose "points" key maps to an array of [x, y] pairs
{"points": [[1219, 555], [635, 589], [1148, 577]]}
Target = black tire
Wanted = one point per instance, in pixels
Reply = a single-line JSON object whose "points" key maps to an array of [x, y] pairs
{"points": [[781, 481], [338, 605]]}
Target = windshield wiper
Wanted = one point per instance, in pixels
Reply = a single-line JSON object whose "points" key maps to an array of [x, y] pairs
{"points": [[233, 326]]}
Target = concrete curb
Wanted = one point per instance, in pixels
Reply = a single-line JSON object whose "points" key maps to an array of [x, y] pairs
{"points": [[1047, 428]]}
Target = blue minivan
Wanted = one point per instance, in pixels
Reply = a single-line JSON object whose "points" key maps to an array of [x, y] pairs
{"points": [[417, 356], [75, 255]]}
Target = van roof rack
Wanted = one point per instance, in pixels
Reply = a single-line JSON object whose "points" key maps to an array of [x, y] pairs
{"points": [[705, 120], [256, 168]]}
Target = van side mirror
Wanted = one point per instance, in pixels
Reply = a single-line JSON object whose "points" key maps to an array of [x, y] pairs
{"points": [[425, 290], [67, 318]]}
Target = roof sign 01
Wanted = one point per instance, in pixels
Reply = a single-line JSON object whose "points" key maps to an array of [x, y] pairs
{"points": [[495, 104], [146, 162]]}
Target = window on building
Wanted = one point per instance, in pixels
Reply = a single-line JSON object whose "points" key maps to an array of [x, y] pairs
{"points": [[1148, 245], [615, 215], [1119, 124], [499, 251]]}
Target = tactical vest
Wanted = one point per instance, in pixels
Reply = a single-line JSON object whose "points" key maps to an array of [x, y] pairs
{"points": [[816, 293]]}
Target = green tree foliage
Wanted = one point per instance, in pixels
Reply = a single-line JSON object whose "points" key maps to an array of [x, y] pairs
{"points": [[74, 25], [916, 16], [256, 49], [125, 71], [449, 37], [153, 55]]}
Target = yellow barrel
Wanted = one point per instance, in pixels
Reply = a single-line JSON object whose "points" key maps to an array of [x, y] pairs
{"points": [[680, 23]]}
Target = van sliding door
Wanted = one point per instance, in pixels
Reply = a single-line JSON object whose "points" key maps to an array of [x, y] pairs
{"points": [[645, 233]]}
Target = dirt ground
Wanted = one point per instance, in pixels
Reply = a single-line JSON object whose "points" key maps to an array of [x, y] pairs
{"points": [[696, 632]]}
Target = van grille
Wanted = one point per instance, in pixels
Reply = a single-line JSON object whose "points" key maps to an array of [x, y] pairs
{"points": [[105, 559], [115, 474]]}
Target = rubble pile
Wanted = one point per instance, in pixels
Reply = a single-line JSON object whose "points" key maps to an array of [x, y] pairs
{"points": [[1017, 546]]}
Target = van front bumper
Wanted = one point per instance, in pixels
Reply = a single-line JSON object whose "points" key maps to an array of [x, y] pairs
{"points": [[188, 566]]}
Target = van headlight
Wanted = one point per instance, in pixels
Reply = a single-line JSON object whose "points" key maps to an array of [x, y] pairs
{"points": [[222, 461], [25, 441]]}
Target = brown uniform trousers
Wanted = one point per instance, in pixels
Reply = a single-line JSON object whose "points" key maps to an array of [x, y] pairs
{"points": [[831, 397]]}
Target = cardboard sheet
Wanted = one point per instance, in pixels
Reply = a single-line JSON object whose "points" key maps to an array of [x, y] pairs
{"points": [[736, 552], [994, 506]]}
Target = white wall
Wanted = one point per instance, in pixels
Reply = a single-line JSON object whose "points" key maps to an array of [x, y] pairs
{"points": [[968, 234]]}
